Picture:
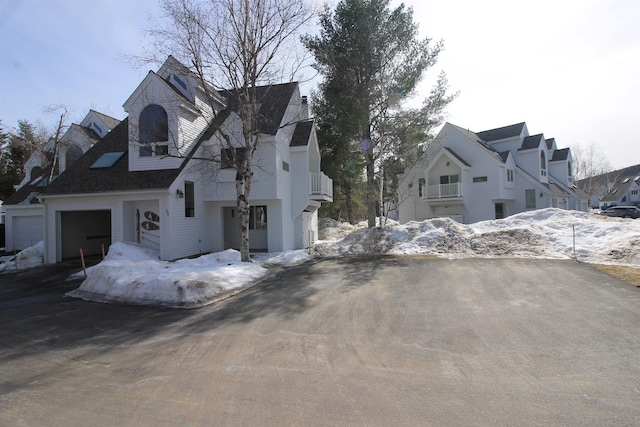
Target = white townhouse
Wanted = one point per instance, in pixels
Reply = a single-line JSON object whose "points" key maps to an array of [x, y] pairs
{"points": [[145, 180], [476, 176], [24, 212], [625, 191]]}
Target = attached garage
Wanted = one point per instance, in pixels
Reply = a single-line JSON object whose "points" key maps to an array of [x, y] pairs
{"points": [[27, 231], [86, 230]]}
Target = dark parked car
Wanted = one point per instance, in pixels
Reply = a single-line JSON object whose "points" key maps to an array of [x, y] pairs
{"points": [[622, 212]]}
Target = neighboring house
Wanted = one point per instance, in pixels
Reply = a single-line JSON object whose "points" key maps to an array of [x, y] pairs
{"points": [[487, 175], [146, 180], [624, 191], [24, 213], [611, 187]]}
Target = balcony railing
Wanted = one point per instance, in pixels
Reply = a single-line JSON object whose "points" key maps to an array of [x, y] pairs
{"points": [[320, 185], [442, 191]]}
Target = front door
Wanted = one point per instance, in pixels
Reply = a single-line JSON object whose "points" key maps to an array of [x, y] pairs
{"points": [[148, 224]]}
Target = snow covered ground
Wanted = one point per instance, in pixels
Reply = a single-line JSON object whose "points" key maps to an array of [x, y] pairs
{"points": [[132, 274]]}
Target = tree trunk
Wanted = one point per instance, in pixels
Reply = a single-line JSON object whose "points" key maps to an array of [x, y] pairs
{"points": [[348, 196], [244, 211], [371, 190]]}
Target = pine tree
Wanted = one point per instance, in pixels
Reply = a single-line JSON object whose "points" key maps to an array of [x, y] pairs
{"points": [[372, 60]]}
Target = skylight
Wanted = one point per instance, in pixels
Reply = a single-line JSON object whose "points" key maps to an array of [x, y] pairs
{"points": [[107, 160], [626, 180]]}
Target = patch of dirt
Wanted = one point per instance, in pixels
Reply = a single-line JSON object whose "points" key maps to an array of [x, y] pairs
{"points": [[626, 274]]}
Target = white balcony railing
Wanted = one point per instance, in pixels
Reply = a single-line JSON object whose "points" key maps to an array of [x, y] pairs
{"points": [[320, 185], [442, 191]]}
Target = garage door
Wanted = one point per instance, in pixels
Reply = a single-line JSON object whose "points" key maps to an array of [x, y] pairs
{"points": [[86, 230], [27, 231]]}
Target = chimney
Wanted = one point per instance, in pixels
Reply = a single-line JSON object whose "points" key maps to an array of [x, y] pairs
{"points": [[305, 108]]}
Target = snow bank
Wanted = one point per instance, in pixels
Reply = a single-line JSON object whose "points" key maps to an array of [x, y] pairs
{"points": [[544, 233], [133, 274], [30, 257]]}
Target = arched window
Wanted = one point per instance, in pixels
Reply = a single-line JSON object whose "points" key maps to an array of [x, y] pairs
{"points": [[154, 125], [543, 163], [569, 169], [73, 153], [35, 172]]}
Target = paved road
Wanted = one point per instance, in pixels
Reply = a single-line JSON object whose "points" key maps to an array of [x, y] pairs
{"points": [[353, 341]]}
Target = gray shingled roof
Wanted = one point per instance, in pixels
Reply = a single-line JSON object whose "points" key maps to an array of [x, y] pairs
{"points": [[301, 134], [531, 142], [274, 99], [107, 120], [504, 155], [81, 179], [550, 142], [559, 155], [454, 154], [501, 133]]}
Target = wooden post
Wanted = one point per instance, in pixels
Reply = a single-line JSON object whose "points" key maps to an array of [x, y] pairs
{"points": [[84, 267]]}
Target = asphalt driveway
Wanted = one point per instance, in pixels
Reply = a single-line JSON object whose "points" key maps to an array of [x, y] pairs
{"points": [[352, 341]]}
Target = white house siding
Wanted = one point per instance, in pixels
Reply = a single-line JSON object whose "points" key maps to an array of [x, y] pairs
{"points": [[153, 90], [186, 236], [299, 178], [115, 203]]}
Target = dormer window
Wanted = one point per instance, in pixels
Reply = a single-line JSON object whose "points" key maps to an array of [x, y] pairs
{"points": [[153, 131], [179, 81]]}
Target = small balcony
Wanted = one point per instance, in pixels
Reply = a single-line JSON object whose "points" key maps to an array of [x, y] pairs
{"points": [[320, 187], [444, 191]]}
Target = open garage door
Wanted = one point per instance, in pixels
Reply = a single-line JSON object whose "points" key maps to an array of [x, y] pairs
{"points": [[86, 230], [27, 231]]}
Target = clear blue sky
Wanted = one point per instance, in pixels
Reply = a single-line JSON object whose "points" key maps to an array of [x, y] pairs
{"points": [[570, 69]]}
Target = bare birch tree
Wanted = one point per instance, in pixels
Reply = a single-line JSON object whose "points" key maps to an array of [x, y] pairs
{"points": [[233, 47]]}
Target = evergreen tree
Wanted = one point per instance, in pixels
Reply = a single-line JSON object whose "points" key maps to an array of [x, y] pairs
{"points": [[371, 59]]}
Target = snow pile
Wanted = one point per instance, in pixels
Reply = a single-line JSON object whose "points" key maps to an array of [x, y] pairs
{"points": [[133, 274], [30, 257], [544, 233]]}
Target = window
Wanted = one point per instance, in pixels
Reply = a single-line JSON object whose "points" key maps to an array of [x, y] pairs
{"points": [[73, 153], [530, 199], [569, 171], [189, 200], [228, 155], [449, 179], [479, 179], [258, 218], [107, 160], [161, 150], [153, 127], [285, 166], [178, 80], [634, 192], [145, 151], [35, 172], [98, 128], [421, 185], [510, 175], [543, 164], [154, 124]]}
